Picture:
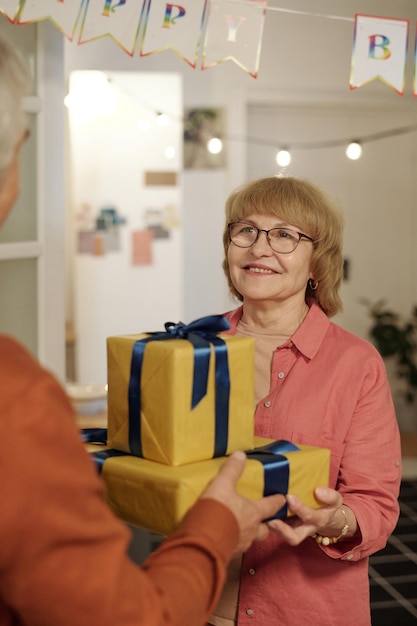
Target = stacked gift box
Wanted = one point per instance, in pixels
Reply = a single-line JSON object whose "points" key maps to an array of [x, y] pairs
{"points": [[179, 402]]}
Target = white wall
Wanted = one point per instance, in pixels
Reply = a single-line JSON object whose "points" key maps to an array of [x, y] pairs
{"points": [[110, 155], [304, 58]]}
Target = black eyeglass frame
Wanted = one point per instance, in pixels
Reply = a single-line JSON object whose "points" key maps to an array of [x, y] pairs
{"points": [[262, 230]]}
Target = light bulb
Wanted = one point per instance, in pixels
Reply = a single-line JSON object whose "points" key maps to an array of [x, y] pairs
{"points": [[354, 151], [215, 145], [162, 119], [283, 158], [91, 96], [169, 152]]}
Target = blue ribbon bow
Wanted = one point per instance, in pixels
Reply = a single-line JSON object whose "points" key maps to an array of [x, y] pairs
{"points": [[201, 333], [276, 468]]}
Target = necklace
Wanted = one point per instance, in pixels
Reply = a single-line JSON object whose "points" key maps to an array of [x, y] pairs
{"points": [[271, 329]]}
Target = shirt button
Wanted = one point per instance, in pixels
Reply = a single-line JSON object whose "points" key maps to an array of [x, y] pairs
{"points": [[397, 463], [252, 572], [267, 404], [249, 611], [281, 375]]}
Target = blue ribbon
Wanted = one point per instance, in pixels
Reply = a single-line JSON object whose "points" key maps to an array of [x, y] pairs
{"points": [[201, 333], [99, 436], [94, 435], [101, 456], [276, 468]]}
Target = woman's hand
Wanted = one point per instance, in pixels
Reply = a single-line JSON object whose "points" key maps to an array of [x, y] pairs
{"points": [[327, 521]]}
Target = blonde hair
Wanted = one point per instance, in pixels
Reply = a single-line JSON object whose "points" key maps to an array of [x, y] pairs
{"points": [[304, 205], [15, 81]]}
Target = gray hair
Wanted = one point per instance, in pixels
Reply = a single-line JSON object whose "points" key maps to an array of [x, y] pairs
{"points": [[15, 82]]}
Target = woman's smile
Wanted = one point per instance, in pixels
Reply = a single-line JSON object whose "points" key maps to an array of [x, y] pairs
{"points": [[259, 269]]}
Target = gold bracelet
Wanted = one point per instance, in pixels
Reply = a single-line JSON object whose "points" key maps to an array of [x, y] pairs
{"points": [[327, 541]]}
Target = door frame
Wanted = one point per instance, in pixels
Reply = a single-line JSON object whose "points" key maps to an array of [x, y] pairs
{"points": [[48, 248]]}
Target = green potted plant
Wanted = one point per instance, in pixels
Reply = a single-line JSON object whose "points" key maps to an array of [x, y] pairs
{"points": [[396, 338]]}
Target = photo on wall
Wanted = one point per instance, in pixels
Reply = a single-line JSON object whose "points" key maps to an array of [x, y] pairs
{"points": [[204, 145]]}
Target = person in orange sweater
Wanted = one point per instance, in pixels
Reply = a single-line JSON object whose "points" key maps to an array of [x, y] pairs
{"points": [[63, 555]]}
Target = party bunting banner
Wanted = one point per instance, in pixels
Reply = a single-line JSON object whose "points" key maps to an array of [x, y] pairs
{"points": [[230, 29], [119, 20], [64, 15], [214, 31], [240, 31], [174, 26], [9, 8], [379, 51]]}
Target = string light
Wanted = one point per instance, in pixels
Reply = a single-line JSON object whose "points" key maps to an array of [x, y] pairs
{"points": [[354, 151], [169, 152], [215, 145], [162, 119], [283, 157], [354, 147], [92, 96]]}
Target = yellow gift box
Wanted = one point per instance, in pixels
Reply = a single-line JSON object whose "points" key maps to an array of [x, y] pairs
{"points": [[169, 429], [156, 497]]}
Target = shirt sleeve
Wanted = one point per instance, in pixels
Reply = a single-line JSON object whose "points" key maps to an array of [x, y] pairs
{"points": [[370, 471], [64, 554]]}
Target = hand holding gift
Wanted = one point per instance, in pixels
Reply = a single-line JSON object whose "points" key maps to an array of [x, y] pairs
{"points": [[156, 496], [249, 513], [327, 525]]}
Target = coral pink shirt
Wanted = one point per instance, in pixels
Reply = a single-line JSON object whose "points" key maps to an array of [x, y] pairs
{"points": [[329, 389]]}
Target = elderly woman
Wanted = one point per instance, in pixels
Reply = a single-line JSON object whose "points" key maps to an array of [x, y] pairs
{"points": [[315, 384]]}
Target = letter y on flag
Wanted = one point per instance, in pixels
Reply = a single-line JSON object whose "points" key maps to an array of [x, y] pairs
{"points": [[234, 32]]}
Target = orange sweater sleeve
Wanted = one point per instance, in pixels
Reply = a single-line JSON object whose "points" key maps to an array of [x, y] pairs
{"points": [[63, 557]]}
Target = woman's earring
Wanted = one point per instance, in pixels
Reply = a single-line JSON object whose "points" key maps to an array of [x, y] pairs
{"points": [[312, 284]]}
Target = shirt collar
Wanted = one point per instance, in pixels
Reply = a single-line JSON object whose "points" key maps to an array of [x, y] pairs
{"points": [[308, 336]]}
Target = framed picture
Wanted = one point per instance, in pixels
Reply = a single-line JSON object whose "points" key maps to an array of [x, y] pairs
{"points": [[204, 145]]}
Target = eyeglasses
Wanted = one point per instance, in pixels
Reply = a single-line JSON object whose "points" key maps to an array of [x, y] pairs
{"points": [[282, 240]]}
